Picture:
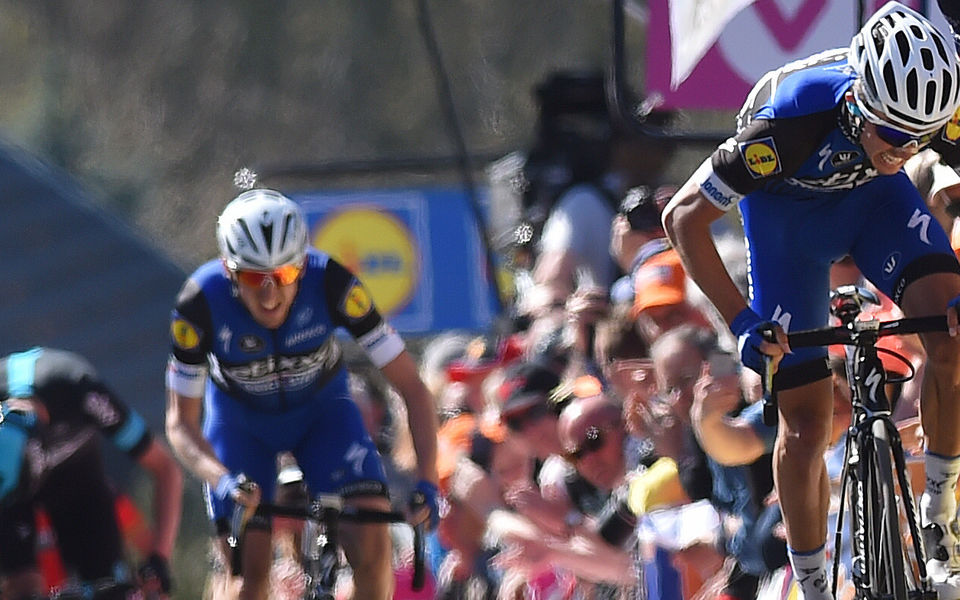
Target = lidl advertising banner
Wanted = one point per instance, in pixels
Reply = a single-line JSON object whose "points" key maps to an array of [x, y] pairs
{"points": [[727, 45], [418, 251]]}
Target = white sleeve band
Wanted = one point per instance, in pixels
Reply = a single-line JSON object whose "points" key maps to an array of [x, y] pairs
{"points": [[382, 345], [186, 380], [715, 189]]}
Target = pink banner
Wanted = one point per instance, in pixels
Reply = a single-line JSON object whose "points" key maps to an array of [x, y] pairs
{"points": [[763, 36]]}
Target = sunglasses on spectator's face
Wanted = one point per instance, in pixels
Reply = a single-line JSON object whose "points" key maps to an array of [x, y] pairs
{"points": [[592, 441], [283, 275], [520, 420]]}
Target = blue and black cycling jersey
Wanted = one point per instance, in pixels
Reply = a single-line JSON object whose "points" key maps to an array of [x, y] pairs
{"points": [[275, 369], [796, 137], [808, 196]]}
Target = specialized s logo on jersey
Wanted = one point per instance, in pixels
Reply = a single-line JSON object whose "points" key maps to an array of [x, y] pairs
{"points": [[184, 335], [951, 131], [356, 302], [760, 157]]}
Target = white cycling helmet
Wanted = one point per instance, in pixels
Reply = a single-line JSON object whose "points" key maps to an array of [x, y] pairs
{"points": [[261, 230], [909, 74]]}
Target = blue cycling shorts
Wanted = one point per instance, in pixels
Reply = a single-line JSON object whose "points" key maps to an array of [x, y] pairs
{"points": [[327, 437], [792, 241]]}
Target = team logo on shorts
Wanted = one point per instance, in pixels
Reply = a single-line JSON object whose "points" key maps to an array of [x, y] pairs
{"points": [[184, 334], [760, 157], [357, 303], [951, 131]]}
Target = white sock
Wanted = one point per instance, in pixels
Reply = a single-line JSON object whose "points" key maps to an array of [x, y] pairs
{"points": [[810, 571], [938, 502]]}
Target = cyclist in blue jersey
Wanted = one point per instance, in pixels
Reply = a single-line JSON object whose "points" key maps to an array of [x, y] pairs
{"points": [[256, 360], [815, 170], [55, 408]]}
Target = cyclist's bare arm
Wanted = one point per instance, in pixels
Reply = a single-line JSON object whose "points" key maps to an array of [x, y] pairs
{"points": [[687, 219], [167, 494], [192, 448], [402, 374]]}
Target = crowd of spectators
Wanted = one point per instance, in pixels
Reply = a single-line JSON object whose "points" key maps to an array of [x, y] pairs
{"points": [[611, 445]]}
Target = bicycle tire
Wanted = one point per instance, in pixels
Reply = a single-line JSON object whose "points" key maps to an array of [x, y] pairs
{"points": [[885, 559]]}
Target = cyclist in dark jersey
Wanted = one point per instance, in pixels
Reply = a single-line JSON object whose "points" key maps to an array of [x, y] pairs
{"points": [[56, 408], [815, 170], [254, 353]]}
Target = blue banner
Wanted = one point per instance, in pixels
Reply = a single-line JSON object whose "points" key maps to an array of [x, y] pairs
{"points": [[418, 251]]}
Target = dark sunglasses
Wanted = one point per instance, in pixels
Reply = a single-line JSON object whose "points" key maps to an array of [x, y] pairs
{"points": [[518, 421], [899, 139], [592, 442]]}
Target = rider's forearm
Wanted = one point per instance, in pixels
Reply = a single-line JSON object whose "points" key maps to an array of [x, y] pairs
{"points": [[687, 221], [167, 496], [189, 445], [422, 417], [402, 374]]}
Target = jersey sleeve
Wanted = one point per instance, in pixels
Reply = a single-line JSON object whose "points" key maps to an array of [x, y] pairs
{"points": [[763, 151], [119, 423], [351, 307], [190, 331]]}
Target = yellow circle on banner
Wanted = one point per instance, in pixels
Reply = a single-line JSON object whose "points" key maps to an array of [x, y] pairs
{"points": [[952, 130], [184, 335], [378, 249], [761, 159]]}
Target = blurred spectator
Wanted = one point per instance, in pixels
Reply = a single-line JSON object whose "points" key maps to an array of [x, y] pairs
{"points": [[576, 172], [739, 444], [939, 186], [437, 356]]}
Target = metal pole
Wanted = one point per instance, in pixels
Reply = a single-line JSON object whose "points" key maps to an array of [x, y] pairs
{"points": [[456, 133]]}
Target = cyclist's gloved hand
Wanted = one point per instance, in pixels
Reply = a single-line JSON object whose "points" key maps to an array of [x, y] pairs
{"points": [[425, 495], [228, 484], [156, 568], [748, 326]]}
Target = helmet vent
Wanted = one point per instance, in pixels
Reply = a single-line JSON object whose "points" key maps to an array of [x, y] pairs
{"points": [[947, 90], [267, 229], [939, 44], [890, 80], [903, 46], [912, 89], [287, 224], [930, 96], [870, 81], [246, 232], [926, 58]]}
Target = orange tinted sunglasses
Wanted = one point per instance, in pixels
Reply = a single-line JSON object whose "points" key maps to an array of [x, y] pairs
{"points": [[283, 275]]}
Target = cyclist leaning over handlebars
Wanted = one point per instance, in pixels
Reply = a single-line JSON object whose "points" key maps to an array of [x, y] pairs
{"points": [[816, 172], [54, 410], [255, 357]]}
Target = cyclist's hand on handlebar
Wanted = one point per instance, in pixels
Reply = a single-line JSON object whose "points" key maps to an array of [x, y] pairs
{"points": [[423, 504], [757, 338], [953, 316], [239, 489]]}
